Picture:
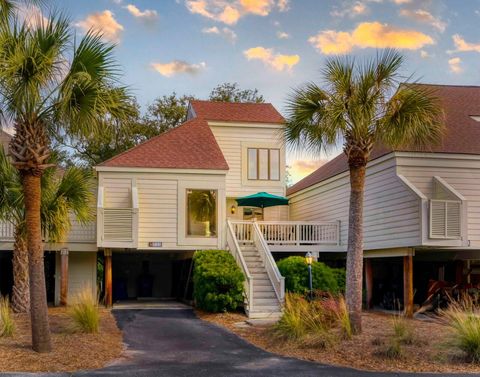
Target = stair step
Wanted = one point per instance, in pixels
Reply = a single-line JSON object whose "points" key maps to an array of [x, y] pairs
{"points": [[264, 295], [259, 269], [265, 302], [263, 288]]}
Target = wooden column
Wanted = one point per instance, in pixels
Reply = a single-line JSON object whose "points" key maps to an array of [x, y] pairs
{"points": [[408, 285], [63, 277], [108, 277], [368, 282]]}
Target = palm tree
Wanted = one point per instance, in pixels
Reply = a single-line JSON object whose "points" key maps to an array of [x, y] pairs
{"points": [[49, 83], [360, 106], [63, 194]]}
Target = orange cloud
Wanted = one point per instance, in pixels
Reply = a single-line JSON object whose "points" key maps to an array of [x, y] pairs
{"points": [[424, 16], [463, 46], [455, 66], [178, 66], [103, 22], [278, 62], [259, 7], [147, 14], [369, 35]]}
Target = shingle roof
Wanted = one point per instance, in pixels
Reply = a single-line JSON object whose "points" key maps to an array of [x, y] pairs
{"points": [[237, 112], [462, 132], [193, 145], [189, 146]]}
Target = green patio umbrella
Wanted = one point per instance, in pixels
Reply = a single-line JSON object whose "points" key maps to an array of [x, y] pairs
{"points": [[262, 200]]}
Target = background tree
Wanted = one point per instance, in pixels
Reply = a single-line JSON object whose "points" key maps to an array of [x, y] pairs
{"points": [[49, 83], [65, 194], [361, 105], [231, 92]]}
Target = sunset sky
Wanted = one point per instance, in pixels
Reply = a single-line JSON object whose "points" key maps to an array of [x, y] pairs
{"points": [[189, 46]]}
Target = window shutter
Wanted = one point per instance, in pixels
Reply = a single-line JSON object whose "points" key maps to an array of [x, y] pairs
{"points": [[437, 219], [453, 219], [445, 219], [118, 224]]}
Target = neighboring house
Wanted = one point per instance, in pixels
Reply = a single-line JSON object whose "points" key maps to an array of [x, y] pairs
{"points": [[160, 201], [422, 209]]}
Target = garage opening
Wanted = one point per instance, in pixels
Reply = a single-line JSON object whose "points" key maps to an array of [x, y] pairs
{"points": [[152, 276]]}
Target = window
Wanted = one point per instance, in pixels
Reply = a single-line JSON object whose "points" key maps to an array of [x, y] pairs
{"points": [[202, 213], [263, 164]]}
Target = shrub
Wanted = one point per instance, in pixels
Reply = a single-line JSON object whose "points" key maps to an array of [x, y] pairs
{"points": [[324, 278], [84, 312], [310, 323], [217, 281], [463, 318], [402, 330], [7, 326]]}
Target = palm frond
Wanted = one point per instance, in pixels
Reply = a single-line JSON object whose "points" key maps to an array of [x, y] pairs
{"points": [[11, 194]]}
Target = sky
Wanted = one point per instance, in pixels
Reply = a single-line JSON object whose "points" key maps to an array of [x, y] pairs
{"points": [[190, 46]]}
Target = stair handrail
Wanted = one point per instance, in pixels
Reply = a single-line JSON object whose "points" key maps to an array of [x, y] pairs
{"points": [[237, 254], [278, 281]]}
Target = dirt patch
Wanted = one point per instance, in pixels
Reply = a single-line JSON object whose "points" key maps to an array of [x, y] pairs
{"points": [[428, 353], [71, 351]]}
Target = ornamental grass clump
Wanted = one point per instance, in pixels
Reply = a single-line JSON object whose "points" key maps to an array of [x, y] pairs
{"points": [[84, 312], [316, 323], [7, 326], [463, 319]]}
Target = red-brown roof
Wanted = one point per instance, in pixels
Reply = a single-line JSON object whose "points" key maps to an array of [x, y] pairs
{"points": [[236, 112], [462, 132], [189, 146]]}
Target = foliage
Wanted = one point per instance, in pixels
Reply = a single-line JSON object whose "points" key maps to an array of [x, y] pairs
{"points": [[463, 319], [7, 326], [84, 312], [217, 281], [231, 92], [311, 323], [324, 278], [64, 193], [361, 105], [403, 330]]}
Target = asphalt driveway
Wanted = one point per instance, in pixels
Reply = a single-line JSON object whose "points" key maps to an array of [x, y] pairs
{"points": [[173, 342]]}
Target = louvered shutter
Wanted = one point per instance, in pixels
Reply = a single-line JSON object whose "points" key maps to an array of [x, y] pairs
{"points": [[118, 224], [445, 219], [437, 219], [453, 219]]}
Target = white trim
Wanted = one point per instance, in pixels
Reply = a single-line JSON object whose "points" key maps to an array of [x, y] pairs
{"points": [[257, 125], [411, 187], [157, 170], [267, 184], [449, 188]]}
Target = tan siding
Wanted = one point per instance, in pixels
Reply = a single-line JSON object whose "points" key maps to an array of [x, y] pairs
{"points": [[157, 200], [464, 177], [230, 139], [117, 192], [391, 211]]}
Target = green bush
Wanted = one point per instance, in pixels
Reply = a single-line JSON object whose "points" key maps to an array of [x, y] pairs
{"points": [[324, 278], [217, 281], [84, 312]]}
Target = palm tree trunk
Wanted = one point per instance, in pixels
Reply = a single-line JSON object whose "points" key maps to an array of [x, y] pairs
{"points": [[355, 247], [38, 296], [21, 281]]}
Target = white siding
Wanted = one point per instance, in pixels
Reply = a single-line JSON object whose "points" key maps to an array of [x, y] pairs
{"points": [[118, 192], [391, 211], [160, 207], [462, 173], [233, 141]]}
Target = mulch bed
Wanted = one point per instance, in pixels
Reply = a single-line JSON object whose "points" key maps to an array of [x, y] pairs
{"points": [[428, 353], [71, 350]]}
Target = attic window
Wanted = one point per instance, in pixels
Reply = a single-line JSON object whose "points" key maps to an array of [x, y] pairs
{"points": [[476, 118]]}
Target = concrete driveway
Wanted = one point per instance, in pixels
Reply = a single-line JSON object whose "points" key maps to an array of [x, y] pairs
{"points": [[171, 341]]}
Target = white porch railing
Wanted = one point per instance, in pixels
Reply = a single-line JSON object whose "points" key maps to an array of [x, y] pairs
{"points": [[234, 247], [278, 281], [300, 233], [7, 230]]}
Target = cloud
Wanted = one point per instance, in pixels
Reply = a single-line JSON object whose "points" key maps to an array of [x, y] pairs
{"points": [[400, 2], [455, 66], [424, 16], [278, 62], [178, 66], [103, 22], [424, 54], [147, 14], [230, 11], [225, 32], [301, 168], [283, 5], [282, 35], [461, 45], [352, 10], [369, 35]]}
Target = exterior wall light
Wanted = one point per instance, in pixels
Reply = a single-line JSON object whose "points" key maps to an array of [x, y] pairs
{"points": [[233, 209], [309, 260]]}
